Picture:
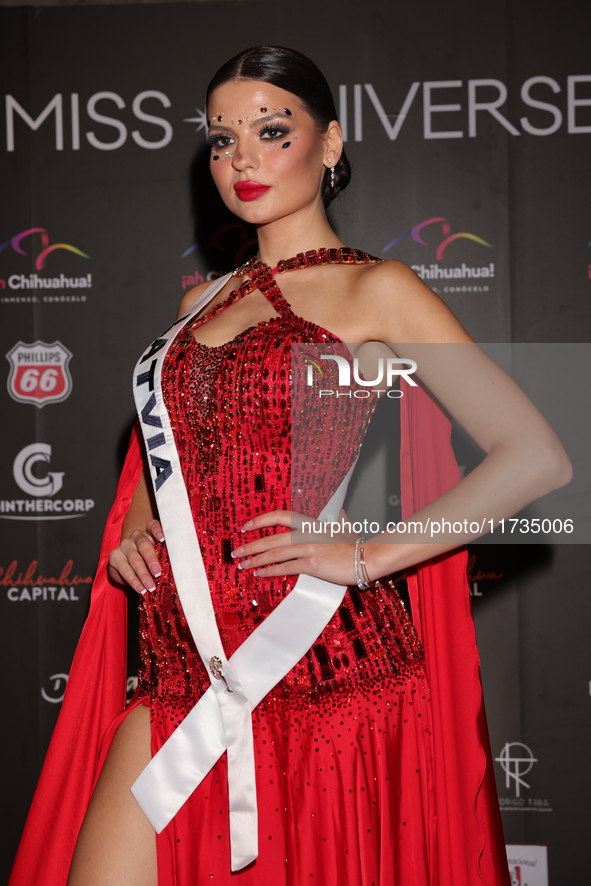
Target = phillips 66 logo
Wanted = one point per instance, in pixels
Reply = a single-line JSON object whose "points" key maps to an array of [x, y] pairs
{"points": [[39, 373]]}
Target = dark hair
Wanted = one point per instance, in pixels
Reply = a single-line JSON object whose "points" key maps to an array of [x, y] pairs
{"points": [[294, 72]]}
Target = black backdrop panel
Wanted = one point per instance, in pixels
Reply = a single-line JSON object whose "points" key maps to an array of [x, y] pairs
{"points": [[103, 158]]}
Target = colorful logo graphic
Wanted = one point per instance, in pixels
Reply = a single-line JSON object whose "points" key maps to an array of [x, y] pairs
{"points": [[228, 246], [47, 248], [448, 237], [235, 239], [39, 373]]}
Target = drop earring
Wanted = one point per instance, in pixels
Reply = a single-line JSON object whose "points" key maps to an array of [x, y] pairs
{"points": [[331, 175]]}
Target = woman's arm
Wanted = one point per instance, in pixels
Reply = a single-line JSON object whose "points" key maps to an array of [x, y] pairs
{"points": [[135, 561], [525, 459]]}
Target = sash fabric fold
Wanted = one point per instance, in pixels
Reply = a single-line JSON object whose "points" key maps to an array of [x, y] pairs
{"points": [[221, 720]]}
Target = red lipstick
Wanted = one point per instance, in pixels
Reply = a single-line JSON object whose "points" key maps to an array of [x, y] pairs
{"points": [[250, 190]]}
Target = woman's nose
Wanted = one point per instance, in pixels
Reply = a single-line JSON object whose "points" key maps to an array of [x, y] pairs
{"points": [[244, 157]]}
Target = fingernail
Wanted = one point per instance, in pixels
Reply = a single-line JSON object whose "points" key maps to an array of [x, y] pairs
{"points": [[144, 591], [140, 588], [260, 571], [238, 552], [245, 564], [159, 535], [155, 569], [247, 525], [149, 584]]}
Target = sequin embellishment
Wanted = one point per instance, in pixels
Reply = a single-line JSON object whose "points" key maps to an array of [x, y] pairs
{"points": [[230, 413]]}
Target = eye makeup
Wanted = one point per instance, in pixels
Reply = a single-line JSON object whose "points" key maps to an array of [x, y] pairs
{"points": [[220, 140], [240, 117], [270, 131], [280, 128]]}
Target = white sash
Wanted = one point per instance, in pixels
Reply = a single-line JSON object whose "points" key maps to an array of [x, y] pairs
{"points": [[222, 718]]}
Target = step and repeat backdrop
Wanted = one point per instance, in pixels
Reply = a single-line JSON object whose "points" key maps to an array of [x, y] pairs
{"points": [[469, 131]]}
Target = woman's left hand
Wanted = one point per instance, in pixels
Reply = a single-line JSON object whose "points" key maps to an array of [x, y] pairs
{"points": [[298, 551]]}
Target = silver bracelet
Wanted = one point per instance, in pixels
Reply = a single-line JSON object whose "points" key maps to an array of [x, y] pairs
{"points": [[362, 583], [364, 574], [357, 576]]}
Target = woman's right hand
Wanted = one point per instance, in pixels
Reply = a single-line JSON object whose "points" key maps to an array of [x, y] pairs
{"points": [[135, 561]]}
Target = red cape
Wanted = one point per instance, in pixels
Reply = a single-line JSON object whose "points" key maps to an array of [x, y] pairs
{"points": [[469, 844], [95, 695]]}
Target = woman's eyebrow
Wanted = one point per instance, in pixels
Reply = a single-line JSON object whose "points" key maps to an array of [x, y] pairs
{"points": [[218, 126], [255, 121]]}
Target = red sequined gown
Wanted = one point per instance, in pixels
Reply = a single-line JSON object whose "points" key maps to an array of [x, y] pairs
{"points": [[342, 743]]}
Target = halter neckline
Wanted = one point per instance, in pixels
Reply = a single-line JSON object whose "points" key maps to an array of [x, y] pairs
{"points": [[342, 256], [260, 276]]}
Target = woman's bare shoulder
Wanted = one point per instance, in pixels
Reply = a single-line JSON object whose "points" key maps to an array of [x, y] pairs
{"points": [[392, 278], [192, 295], [399, 303]]}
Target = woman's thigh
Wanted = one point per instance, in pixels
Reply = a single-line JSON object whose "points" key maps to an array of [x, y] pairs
{"points": [[117, 844]]}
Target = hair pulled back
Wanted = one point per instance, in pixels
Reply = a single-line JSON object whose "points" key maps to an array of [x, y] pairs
{"points": [[290, 70]]}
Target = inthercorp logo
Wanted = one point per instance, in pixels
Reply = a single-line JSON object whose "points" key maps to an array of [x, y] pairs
{"points": [[22, 469], [42, 487], [39, 373]]}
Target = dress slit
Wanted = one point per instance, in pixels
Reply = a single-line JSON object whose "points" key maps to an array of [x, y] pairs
{"points": [[342, 742]]}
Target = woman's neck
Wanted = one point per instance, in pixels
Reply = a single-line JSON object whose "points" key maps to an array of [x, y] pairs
{"points": [[287, 236]]}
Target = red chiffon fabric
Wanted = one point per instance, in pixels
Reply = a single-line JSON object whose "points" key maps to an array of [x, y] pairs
{"points": [[470, 846], [360, 813], [95, 695]]}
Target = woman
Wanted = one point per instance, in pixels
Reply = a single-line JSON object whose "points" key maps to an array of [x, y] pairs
{"points": [[352, 763]]}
